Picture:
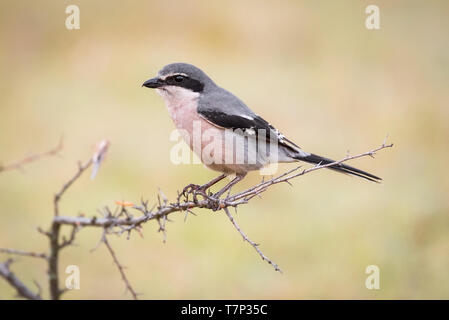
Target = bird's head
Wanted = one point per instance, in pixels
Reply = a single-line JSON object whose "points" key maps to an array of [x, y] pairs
{"points": [[179, 80]]}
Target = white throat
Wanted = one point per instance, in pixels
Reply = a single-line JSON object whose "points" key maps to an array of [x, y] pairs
{"points": [[176, 97]]}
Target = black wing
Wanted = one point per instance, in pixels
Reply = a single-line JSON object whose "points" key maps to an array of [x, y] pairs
{"points": [[225, 110], [253, 124]]}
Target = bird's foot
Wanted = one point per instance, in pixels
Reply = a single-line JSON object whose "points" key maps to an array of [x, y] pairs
{"points": [[214, 201], [195, 190], [190, 189]]}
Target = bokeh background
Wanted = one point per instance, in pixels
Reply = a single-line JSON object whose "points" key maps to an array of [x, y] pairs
{"points": [[310, 67]]}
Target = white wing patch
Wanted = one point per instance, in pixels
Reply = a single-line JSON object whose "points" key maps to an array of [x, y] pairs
{"points": [[280, 135], [246, 117], [250, 131], [283, 140]]}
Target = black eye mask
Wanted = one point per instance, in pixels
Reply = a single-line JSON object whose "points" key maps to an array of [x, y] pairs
{"points": [[185, 82]]}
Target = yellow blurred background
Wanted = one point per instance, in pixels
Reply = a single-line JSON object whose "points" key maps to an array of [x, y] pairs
{"points": [[310, 67]]}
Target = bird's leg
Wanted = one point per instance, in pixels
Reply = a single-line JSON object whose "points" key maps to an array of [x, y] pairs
{"points": [[194, 188], [227, 187], [213, 181]]}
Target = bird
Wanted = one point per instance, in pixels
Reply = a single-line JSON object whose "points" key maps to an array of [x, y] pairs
{"points": [[195, 102]]}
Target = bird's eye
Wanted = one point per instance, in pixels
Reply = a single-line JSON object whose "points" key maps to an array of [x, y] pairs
{"points": [[179, 78]]}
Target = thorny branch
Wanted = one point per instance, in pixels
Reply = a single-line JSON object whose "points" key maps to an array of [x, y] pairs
{"points": [[9, 276], [18, 165], [122, 221], [245, 238], [119, 266], [24, 253]]}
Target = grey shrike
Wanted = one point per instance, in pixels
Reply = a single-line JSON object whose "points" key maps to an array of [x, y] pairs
{"points": [[193, 99]]}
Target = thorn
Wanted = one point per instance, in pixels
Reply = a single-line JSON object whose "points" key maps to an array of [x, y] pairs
{"points": [[385, 140], [159, 200], [164, 198]]}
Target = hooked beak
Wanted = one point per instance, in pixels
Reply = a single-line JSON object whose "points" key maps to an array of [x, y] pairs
{"points": [[153, 83]]}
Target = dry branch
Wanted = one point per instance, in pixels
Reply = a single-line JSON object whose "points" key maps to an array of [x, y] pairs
{"points": [[119, 266], [24, 253], [122, 221], [21, 289], [19, 164], [252, 243]]}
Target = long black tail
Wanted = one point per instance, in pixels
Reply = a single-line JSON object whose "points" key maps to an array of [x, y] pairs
{"points": [[313, 158]]}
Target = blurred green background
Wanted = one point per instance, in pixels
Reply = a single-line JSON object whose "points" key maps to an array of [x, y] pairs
{"points": [[310, 67]]}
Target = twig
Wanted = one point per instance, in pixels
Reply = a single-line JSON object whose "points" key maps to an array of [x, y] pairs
{"points": [[24, 253], [19, 164], [69, 241], [119, 266], [285, 177], [10, 277], [53, 235], [81, 169], [252, 243]]}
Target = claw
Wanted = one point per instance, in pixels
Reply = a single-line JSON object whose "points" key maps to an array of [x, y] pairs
{"points": [[194, 190], [190, 189]]}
